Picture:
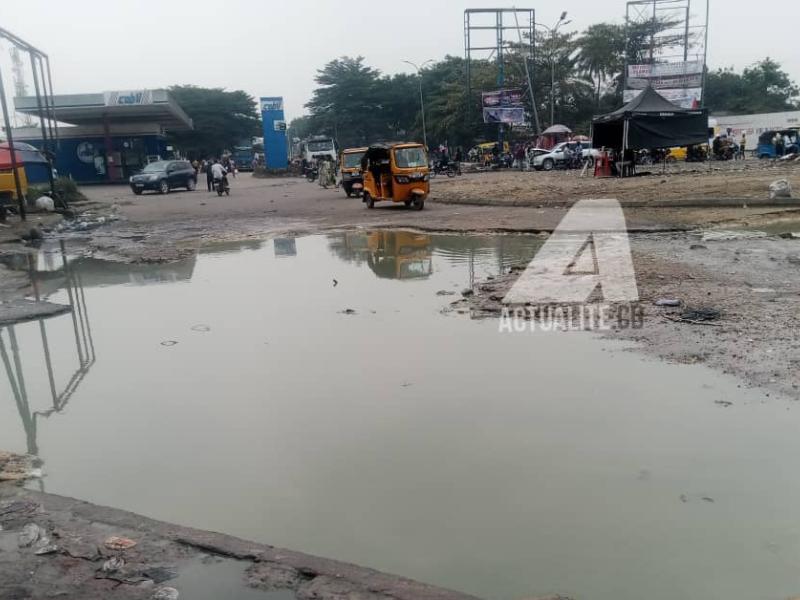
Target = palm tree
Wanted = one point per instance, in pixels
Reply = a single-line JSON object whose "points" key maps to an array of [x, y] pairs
{"points": [[601, 51]]}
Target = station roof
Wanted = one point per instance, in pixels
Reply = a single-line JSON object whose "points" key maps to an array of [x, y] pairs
{"points": [[128, 106]]}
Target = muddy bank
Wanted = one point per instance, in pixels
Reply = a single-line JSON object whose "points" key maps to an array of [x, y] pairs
{"points": [[52, 546], [753, 282]]}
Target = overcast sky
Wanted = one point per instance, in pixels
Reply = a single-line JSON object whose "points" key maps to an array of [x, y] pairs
{"points": [[270, 47]]}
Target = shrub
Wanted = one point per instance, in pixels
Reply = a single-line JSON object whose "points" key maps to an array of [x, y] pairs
{"points": [[64, 187]]}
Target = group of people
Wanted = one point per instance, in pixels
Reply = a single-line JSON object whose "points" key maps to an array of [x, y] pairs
{"points": [[785, 144], [215, 170], [724, 147]]}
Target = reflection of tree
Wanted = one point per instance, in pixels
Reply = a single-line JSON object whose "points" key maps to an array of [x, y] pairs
{"points": [[84, 345]]}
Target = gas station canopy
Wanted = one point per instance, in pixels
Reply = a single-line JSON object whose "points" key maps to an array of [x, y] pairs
{"points": [[130, 106]]}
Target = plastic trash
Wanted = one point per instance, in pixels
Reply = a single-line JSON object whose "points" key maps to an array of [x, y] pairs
{"points": [[701, 314], [667, 302], [780, 189], [113, 565], [45, 203], [119, 543], [166, 593], [30, 534]]}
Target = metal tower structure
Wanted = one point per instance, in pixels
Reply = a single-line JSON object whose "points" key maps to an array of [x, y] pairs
{"points": [[18, 77], [679, 35], [43, 87], [489, 34]]}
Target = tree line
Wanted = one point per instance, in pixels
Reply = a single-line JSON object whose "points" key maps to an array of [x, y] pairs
{"points": [[358, 104]]}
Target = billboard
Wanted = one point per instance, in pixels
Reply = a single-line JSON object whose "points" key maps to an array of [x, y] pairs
{"points": [[672, 69], [666, 83], [503, 106], [679, 82], [685, 98], [508, 98], [509, 116], [274, 123]]}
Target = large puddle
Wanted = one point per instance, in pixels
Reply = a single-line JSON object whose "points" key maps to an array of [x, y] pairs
{"points": [[237, 392]]}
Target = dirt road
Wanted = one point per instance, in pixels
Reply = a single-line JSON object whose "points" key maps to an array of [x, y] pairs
{"points": [[155, 227]]}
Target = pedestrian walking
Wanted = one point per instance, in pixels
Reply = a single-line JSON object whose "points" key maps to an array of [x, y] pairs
{"points": [[209, 175]]}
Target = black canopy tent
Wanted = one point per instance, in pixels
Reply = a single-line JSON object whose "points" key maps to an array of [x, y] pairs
{"points": [[650, 121]]}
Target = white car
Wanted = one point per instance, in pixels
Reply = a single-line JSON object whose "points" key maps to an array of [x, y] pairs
{"points": [[556, 156]]}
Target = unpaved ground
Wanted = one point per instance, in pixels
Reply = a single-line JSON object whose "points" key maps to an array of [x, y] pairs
{"points": [[164, 228], [69, 557], [679, 182], [753, 282]]}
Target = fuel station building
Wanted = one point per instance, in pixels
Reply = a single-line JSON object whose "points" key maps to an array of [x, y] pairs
{"points": [[106, 137]]}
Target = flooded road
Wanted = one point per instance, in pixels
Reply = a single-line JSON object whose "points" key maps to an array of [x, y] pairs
{"points": [[309, 393]]}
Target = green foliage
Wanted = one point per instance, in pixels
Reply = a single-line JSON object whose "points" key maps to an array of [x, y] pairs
{"points": [[762, 87], [358, 104], [221, 119], [64, 186]]}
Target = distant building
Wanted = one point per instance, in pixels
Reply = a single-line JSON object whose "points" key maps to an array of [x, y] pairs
{"points": [[107, 136]]}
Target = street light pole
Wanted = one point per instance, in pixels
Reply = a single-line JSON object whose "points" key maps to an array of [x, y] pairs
{"points": [[553, 30], [421, 100]]}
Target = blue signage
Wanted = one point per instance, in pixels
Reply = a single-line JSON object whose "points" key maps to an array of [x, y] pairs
{"points": [[275, 147]]}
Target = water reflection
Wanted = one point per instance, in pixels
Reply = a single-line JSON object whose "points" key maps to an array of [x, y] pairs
{"points": [[71, 281], [285, 247], [389, 254], [402, 254]]}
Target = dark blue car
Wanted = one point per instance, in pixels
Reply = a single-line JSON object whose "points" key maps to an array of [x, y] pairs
{"points": [[163, 176]]}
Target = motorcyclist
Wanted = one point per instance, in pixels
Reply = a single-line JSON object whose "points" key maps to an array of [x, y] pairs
{"points": [[220, 174]]}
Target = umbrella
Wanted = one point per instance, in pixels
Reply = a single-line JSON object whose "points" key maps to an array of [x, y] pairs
{"points": [[557, 129]]}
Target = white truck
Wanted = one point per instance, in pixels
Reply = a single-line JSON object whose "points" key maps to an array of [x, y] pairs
{"points": [[319, 147]]}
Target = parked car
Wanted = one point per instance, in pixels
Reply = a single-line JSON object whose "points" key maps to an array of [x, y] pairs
{"points": [[163, 176], [557, 157]]}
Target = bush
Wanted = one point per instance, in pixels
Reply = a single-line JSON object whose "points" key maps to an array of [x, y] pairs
{"points": [[64, 186]]}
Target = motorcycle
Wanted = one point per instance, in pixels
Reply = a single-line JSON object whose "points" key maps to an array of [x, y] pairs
{"points": [[222, 186], [311, 173], [441, 168]]}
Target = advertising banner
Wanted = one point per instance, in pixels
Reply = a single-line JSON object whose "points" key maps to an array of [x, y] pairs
{"points": [[666, 83], [673, 69], [683, 97], [508, 98], [509, 116]]}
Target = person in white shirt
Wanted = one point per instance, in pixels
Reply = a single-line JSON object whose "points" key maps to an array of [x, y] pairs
{"points": [[218, 171]]}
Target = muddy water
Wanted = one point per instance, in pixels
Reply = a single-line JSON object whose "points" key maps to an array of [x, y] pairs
{"points": [[234, 392]]}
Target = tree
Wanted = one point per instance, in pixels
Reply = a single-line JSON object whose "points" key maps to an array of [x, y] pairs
{"points": [[601, 56], [762, 87], [347, 103], [221, 119]]}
